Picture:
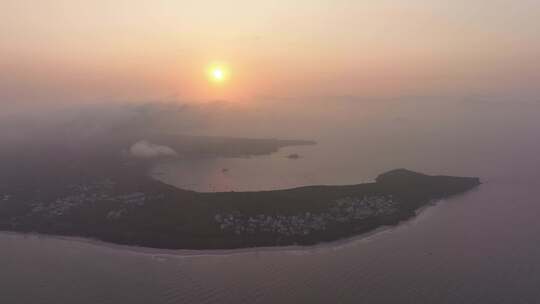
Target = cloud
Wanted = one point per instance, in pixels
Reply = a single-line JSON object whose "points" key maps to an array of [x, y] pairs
{"points": [[145, 149]]}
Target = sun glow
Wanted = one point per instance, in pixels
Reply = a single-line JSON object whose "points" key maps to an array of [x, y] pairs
{"points": [[218, 73]]}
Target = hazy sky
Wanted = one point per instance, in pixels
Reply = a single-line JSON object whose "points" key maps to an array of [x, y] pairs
{"points": [[138, 49]]}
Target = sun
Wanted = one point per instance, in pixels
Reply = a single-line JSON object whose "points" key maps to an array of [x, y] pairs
{"points": [[218, 73]]}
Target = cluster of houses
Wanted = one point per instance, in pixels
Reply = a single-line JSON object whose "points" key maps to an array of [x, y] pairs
{"points": [[91, 193], [344, 210]]}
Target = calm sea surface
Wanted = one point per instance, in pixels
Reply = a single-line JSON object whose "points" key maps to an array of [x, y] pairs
{"points": [[480, 247]]}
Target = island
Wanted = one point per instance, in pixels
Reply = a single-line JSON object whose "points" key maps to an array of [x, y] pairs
{"points": [[131, 208], [293, 156]]}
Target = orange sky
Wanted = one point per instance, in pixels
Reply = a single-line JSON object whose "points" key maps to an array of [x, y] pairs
{"points": [[161, 49]]}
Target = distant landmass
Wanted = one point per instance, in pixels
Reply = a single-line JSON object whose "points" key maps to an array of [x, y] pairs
{"points": [[97, 186], [131, 208], [212, 146], [293, 156]]}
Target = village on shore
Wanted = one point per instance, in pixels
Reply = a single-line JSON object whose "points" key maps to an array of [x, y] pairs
{"points": [[344, 210]]}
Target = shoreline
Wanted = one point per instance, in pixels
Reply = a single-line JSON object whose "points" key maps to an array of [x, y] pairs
{"points": [[192, 253], [229, 222]]}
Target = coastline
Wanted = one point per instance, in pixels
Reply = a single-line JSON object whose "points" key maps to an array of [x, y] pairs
{"points": [[229, 222], [192, 253]]}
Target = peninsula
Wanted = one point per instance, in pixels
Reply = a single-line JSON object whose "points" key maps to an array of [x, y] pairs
{"points": [[138, 210]]}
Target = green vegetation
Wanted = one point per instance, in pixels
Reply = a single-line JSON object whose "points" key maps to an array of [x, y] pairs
{"points": [[127, 207]]}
